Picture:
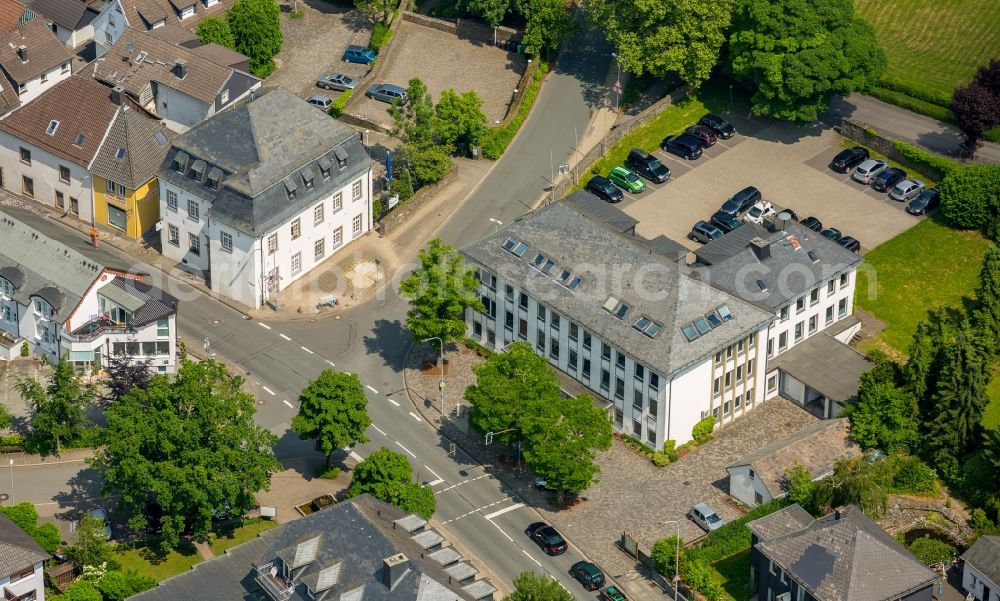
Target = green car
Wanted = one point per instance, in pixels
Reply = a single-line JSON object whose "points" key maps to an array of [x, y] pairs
{"points": [[627, 180], [612, 594]]}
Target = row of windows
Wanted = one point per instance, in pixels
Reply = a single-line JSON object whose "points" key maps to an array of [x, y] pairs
{"points": [[733, 377], [141, 349], [800, 303], [744, 344], [718, 412], [800, 329], [636, 427], [28, 189]]}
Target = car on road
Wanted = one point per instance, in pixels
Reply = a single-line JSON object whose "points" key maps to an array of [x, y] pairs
{"points": [[704, 232], [928, 200], [760, 211], [602, 187], [336, 81], [318, 101], [887, 179], [867, 170], [705, 516], [812, 223], [736, 204], [627, 180], [685, 146], [907, 189], [849, 159], [359, 54], [588, 574], [831, 233], [98, 513], [647, 166], [387, 92], [546, 537], [612, 593], [724, 129], [705, 135], [725, 221]]}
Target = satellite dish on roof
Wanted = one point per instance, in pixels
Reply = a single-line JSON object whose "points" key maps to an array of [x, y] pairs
{"points": [[782, 217]]}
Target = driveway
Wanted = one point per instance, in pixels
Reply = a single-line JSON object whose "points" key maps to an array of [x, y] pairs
{"points": [[444, 61], [788, 165]]}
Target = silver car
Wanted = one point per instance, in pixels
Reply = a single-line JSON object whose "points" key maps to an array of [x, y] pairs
{"points": [[705, 516], [866, 172], [336, 81], [98, 513], [907, 189], [322, 102]]}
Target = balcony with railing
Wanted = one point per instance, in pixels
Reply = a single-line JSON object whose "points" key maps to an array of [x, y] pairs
{"points": [[99, 326], [276, 586]]}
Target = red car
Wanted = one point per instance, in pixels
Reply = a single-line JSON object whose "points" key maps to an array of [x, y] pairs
{"points": [[705, 136]]}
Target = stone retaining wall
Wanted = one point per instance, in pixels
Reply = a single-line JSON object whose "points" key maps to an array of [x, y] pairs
{"points": [[403, 211], [465, 28], [867, 135]]}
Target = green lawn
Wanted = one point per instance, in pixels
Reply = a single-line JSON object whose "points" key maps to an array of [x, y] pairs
{"points": [[935, 43], [231, 536], [151, 562], [991, 417], [734, 574]]}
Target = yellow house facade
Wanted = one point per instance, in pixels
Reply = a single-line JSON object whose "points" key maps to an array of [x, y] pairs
{"points": [[126, 211]]}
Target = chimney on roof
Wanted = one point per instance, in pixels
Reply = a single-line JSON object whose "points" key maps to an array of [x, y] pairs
{"points": [[837, 515], [118, 96], [180, 68], [393, 568], [22, 53], [761, 248]]}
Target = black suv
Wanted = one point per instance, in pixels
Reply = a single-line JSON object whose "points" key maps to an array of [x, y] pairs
{"points": [[849, 159], [726, 222], [741, 201], [602, 187], [684, 145], [647, 166], [723, 128], [888, 178], [850, 243], [812, 223], [547, 537]]}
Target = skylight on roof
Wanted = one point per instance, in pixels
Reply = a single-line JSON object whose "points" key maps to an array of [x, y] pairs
{"points": [[547, 267], [538, 260], [611, 303], [160, 138], [515, 246], [53, 126], [568, 279], [120, 154], [647, 326], [140, 57], [653, 329], [689, 332], [621, 311], [713, 319], [574, 283], [80, 137], [724, 312], [702, 325], [762, 285], [812, 256]]}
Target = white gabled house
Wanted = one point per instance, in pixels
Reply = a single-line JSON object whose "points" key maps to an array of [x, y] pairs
{"points": [[22, 560]]}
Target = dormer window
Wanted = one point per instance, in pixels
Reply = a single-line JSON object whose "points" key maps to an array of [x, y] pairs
{"points": [[181, 162], [198, 170], [290, 188], [213, 178], [341, 156], [53, 126]]}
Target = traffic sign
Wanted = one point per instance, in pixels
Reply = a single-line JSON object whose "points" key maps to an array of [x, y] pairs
{"points": [[618, 87]]}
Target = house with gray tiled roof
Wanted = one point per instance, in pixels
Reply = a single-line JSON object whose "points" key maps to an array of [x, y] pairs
{"points": [[63, 304], [259, 195], [21, 563], [359, 550], [981, 571], [843, 556]]}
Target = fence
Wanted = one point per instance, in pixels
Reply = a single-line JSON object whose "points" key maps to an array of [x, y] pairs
{"points": [[630, 546], [402, 212]]}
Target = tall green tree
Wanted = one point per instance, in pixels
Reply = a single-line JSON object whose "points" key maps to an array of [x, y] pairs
{"points": [[422, 153], [189, 444], [798, 54], [57, 410], [562, 437], [459, 119], [529, 586], [256, 29], [663, 36], [549, 24], [387, 475], [333, 411], [373, 10], [856, 481], [118, 585], [885, 413], [440, 291], [801, 488], [507, 385], [90, 545], [988, 293], [491, 11], [216, 30]]}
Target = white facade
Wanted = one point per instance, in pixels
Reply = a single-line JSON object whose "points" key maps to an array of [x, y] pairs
{"points": [[30, 89], [53, 181], [107, 27], [981, 587], [23, 584], [747, 487]]}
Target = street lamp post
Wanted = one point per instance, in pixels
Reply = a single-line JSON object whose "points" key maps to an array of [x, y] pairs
{"points": [[618, 79], [440, 368], [677, 555], [11, 481]]}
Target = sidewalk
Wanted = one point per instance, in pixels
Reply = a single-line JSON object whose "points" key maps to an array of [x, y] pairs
{"points": [[67, 456]]}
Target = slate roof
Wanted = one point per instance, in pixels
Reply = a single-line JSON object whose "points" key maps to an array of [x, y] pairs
{"points": [[354, 538], [259, 146], [80, 104], [68, 14], [137, 133], [611, 263], [825, 364], [788, 273], [17, 550], [153, 303], [45, 51], [784, 521], [816, 447], [50, 269], [10, 14], [985, 557], [220, 55], [847, 557]]}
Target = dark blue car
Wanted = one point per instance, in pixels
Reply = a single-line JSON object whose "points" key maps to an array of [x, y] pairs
{"points": [[359, 54]]}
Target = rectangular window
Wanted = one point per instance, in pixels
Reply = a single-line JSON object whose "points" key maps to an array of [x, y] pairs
{"points": [[554, 348], [64, 177], [194, 244], [739, 374], [226, 240], [356, 225], [813, 323], [356, 190], [338, 236], [772, 383], [605, 352], [751, 340], [842, 307], [541, 313], [477, 329], [729, 379], [171, 201], [830, 288], [522, 301], [173, 235], [636, 427], [739, 346], [783, 314], [572, 360], [654, 381], [652, 407], [25, 156], [319, 249], [605, 380], [799, 331], [620, 360], [651, 435], [318, 214], [338, 201], [717, 385], [296, 228], [638, 400], [162, 328], [619, 417], [509, 293], [640, 373], [117, 218], [522, 328], [586, 340], [725, 408], [829, 314], [749, 368], [718, 358], [800, 305], [782, 341], [843, 280], [60, 200], [272, 244], [27, 186], [585, 372], [555, 320], [193, 210], [814, 296], [74, 206], [770, 346], [574, 331], [508, 320], [540, 341], [729, 352], [296, 263]]}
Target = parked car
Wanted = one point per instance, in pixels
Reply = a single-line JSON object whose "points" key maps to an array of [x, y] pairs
{"points": [[336, 81], [98, 513], [612, 594], [867, 170], [849, 159], [722, 128], [685, 146], [322, 102], [832, 233], [928, 200], [647, 166], [387, 92], [725, 221], [588, 574], [705, 135], [760, 211], [359, 54], [627, 180], [546, 537], [705, 516], [887, 179], [704, 232], [812, 223], [908, 189], [850, 243], [602, 187], [736, 204]]}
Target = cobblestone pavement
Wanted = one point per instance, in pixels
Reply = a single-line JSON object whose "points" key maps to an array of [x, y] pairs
{"points": [[442, 61]]}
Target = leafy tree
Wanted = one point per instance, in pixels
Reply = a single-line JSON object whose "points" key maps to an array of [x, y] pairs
{"points": [[440, 291], [413, 122], [665, 555], [90, 546], [856, 481], [256, 29], [387, 475], [373, 10], [333, 411], [216, 30], [124, 374], [884, 416], [529, 586], [549, 24], [562, 436], [80, 590], [26, 517], [663, 36], [426, 165], [798, 54], [976, 110], [988, 293], [57, 411], [459, 119], [970, 196], [6, 418], [118, 585], [189, 444], [801, 488], [920, 371], [491, 11], [506, 385]]}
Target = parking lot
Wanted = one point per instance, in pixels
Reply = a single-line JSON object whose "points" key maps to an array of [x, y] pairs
{"points": [[789, 168]]}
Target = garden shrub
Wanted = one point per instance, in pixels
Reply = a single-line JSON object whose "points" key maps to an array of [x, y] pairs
{"points": [[939, 166], [916, 90], [970, 196], [496, 139], [930, 550], [381, 34], [734, 536], [660, 459], [25, 349], [329, 474], [702, 431], [910, 475], [910, 103], [337, 107]]}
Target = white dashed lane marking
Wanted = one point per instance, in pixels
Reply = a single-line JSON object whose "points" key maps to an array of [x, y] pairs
{"points": [[371, 389], [406, 449], [307, 350], [289, 404], [264, 325], [285, 337], [267, 390], [415, 416], [394, 402]]}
